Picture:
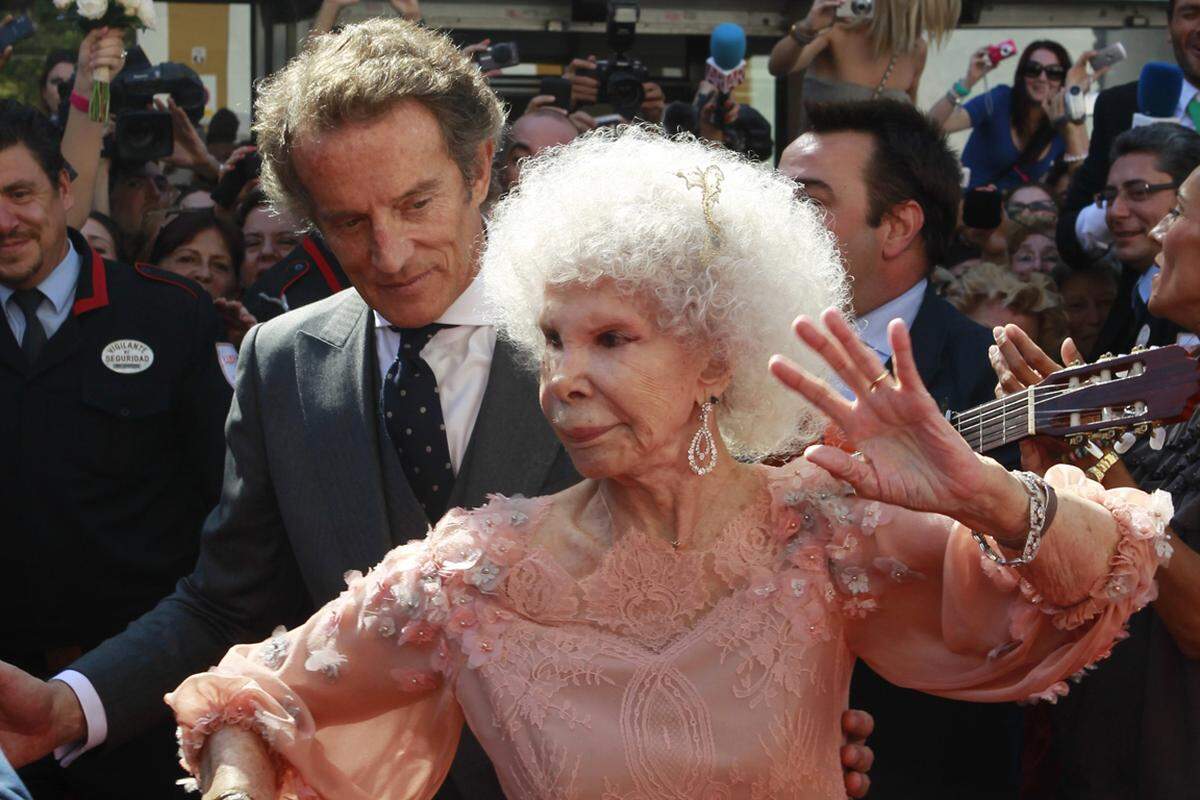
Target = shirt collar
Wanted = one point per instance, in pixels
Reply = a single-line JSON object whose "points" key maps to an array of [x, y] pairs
{"points": [[1146, 283], [1187, 91], [468, 309], [872, 326], [59, 285]]}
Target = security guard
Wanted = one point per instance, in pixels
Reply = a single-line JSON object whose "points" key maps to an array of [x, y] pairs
{"points": [[309, 273], [112, 407]]}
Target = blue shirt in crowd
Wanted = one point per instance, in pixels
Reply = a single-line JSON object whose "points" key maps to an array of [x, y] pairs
{"points": [[990, 153]]}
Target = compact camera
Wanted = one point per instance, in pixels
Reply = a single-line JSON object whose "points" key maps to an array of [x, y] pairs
{"points": [[998, 52], [856, 9]]}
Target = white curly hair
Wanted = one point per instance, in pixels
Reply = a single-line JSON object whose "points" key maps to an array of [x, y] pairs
{"points": [[627, 205]]}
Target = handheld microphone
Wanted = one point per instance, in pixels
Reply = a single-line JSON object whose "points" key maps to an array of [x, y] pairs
{"points": [[727, 57], [1158, 93]]}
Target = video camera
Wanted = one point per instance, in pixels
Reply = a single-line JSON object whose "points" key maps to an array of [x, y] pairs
{"points": [[621, 76], [142, 132]]}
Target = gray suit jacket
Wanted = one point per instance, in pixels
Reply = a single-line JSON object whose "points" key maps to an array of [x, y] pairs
{"points": [[312, 488]]}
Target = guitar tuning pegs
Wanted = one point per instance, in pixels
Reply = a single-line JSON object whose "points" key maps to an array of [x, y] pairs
{"points": [[1139, 348], [1105, 356], [1093, 449], [1124, 443], [1158, 438]]}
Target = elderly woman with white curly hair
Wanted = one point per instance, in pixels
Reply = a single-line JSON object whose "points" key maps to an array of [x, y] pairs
{"points": [[683, 623]]}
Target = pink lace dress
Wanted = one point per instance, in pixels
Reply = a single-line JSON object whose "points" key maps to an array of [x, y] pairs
{"points": [[634, 672]]}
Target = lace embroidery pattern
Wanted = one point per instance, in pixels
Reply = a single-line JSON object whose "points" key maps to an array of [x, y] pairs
{"points": [[646, 591]]}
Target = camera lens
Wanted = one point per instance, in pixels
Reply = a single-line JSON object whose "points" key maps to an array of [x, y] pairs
{"points": [[503, 53], [862, 8], [625, 92]]}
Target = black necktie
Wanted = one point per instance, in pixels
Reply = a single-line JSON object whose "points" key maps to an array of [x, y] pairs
{"points": [[32, 342], [412, 412]]}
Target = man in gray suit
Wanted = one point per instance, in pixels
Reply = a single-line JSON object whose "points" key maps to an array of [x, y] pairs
{"points": [[356, 420], [319, 477]]}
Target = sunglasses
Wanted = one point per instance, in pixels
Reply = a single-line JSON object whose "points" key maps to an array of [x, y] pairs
{"points": [[1136, 191], [1053, 71]]}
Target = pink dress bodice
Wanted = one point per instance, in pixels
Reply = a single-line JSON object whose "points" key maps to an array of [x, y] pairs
{"points": [[633, 671]]}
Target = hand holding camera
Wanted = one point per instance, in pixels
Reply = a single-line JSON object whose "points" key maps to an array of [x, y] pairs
{"points": [[822, 15], [189, 150]]}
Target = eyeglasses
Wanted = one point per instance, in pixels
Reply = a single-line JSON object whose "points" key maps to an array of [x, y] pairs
{"points": [[1037, 207], [1165, 224], [1053, 72], [1135, 191]]}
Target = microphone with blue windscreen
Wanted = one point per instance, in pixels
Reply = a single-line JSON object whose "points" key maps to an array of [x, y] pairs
{"points": [[1158, 94]]}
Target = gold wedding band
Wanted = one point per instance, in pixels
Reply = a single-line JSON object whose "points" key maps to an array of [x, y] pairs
{"points": [[883, 376]]}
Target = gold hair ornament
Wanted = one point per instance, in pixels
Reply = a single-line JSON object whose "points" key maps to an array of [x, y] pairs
{"points": [[708, 181]]}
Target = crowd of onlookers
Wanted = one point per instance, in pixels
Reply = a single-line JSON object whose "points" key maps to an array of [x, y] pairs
{"points": [[1038, 223]]}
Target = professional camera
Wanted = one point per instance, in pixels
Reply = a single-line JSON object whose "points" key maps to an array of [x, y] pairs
{"points": [[143, 133], [621, 76]]}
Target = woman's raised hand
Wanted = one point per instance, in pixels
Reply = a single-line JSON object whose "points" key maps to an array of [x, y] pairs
{"points": [[980, 65], [908, 454], [822, 14]]}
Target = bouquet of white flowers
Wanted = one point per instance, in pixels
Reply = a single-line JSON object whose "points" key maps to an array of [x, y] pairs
{"points": [[136, 14]]}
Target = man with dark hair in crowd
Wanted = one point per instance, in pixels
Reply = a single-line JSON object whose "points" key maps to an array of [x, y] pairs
{"points": [[221, 136], [1148, 165], [111, 409], [1082, 231], [891, 188], [138, 194]]}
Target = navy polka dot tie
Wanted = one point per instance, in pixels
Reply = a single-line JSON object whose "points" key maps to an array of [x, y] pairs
{"points": [[412, 413]]}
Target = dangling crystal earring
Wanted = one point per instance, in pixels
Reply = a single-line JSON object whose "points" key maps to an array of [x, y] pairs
{"points": [[702, 454]]}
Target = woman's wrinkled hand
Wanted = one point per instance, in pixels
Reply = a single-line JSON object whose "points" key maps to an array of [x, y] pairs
{"points": [[908, 453], [237, 320], [822, 15]]}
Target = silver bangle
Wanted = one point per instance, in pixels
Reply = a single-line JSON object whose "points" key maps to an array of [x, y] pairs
{"points": [[953, 97], [1067, 158], [234, 794], [1043, 503]]}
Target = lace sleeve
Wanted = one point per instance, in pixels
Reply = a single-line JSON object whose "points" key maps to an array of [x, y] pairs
{"points": [[923, 606], [372, 664]]}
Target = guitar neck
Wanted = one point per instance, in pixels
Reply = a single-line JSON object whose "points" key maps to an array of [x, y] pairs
{"points": [[997, 423]]}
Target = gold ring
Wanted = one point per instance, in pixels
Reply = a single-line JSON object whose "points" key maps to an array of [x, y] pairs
{"points": [[883, 376]]}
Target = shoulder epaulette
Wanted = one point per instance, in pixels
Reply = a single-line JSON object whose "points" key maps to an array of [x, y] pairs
{"points": [[153, 273]]}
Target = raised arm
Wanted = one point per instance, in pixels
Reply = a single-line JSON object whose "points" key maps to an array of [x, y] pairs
{"points": [[82, 138], [806, 40], [943, 618], [948, 111]]}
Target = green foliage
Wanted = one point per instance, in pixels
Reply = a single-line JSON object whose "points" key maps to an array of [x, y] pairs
{"points": [[19, 79]]}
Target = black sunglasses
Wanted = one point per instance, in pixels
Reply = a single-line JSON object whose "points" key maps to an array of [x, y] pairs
{"points": [[1053, 71]]}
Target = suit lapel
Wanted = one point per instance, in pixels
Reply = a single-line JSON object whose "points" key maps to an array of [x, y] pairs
{"points": [[512, 447], [332, 360], [928, 340]]}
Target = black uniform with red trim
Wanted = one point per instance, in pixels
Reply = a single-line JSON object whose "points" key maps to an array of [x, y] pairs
{"points": [[107, 473], [309, 273]]}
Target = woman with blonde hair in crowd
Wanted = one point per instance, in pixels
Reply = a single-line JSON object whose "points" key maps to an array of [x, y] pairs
{"points": [[867, 57], [994, 296]]}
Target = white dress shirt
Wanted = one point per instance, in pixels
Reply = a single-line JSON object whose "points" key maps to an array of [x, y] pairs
{"points": [[1187, 93], [461, 360], [460, 357], [872, 326], [59, 289]]}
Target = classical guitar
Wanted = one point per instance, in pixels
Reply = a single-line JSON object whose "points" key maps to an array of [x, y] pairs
{"points": [[1110, 401]]}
